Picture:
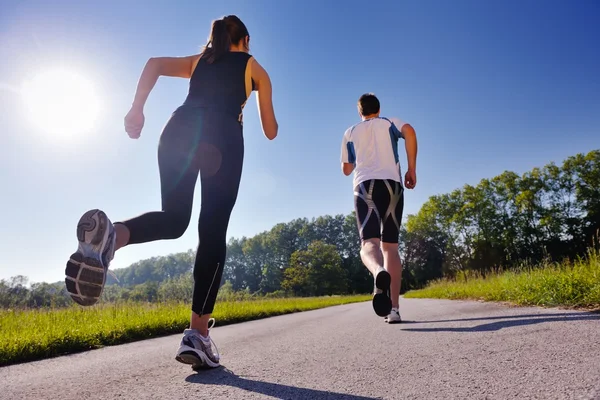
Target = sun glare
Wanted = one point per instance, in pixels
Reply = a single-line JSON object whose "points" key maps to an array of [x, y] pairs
{"points": [[60, 102]]}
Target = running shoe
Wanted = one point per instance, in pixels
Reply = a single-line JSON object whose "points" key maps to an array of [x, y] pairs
{"points": [[382, 303], [393, 317], [87, 268], [197, 350]]}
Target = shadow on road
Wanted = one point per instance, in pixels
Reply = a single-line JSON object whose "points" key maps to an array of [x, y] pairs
{"points": [[509, 322], [547, 315], [223, 376]]}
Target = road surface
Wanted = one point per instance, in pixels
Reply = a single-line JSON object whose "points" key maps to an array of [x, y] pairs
{"points": [[444, 350]]}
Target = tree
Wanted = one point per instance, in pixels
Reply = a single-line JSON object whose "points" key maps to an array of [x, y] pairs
{"points": [[316, 271]]}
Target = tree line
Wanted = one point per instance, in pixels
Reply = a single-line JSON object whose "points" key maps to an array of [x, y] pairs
{"points": [[500, 223], [550, 213]]}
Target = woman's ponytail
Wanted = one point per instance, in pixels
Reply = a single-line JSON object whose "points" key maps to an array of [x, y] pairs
{"points": [[219, 41]]}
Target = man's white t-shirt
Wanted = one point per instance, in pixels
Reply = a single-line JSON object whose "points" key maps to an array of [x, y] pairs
{"points": [[372, 146]]}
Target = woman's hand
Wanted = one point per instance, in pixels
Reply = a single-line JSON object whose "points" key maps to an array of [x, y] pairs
{"points": [[134, 122]]}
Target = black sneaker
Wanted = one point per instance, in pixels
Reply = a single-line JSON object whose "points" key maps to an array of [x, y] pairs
{"points": [[382, 303]]}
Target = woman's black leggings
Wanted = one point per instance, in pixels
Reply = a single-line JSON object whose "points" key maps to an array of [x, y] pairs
{"points": [[196, 141]]}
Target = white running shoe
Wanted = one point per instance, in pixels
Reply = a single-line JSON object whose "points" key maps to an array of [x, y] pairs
{"points": [[393, 317], [87, 268], [382, 303], [197, 350]]}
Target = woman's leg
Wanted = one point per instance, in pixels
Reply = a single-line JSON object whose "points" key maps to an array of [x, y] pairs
{"points": [[98, 238], [221, 169], [178, 168], [219, 195]]}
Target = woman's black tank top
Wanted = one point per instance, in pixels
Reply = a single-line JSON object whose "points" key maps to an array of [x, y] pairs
{"points": [[223, 86]]}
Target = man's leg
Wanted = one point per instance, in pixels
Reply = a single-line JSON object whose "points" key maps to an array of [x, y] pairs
{"points": [[371, 255], [389, 244], [393, 265], [369, 228]]}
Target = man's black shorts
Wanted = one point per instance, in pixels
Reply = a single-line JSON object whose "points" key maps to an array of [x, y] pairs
{"points": [[379, 204]]}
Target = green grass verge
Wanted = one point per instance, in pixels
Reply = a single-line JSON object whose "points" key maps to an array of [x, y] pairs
{"points": [[569, 284], [28, 335]]}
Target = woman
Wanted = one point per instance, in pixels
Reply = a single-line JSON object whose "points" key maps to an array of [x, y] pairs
{"points": [[203, 136]]}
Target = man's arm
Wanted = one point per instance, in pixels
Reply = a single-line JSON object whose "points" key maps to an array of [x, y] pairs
{"points": [[410, 139], [348, 157], [410, 144]]}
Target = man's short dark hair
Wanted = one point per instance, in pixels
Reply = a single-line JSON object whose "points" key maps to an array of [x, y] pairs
{"points": [[368, 104]]}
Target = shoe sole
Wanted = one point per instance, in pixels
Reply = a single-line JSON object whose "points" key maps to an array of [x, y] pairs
{"points": [[387, 321], [85, 271], [382, 303], [196, 361]]}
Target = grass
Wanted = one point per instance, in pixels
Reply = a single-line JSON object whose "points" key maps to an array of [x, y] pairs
{"points": [[28, 335], [568, 284]]}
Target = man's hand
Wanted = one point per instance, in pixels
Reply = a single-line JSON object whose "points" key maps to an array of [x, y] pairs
{"points": [[134, 122], [410, 179], [347, 168]]}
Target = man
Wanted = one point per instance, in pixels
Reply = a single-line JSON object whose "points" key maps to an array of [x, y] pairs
{"points": [[370, 149]]}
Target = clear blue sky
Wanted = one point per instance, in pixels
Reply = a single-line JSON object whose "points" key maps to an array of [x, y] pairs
{"points": [[488, 86]]}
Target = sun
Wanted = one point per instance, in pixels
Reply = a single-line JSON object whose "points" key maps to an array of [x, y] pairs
{"points": [[60, 102]]}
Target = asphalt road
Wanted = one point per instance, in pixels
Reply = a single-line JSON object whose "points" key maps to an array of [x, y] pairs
{"points": [[444, 350]]}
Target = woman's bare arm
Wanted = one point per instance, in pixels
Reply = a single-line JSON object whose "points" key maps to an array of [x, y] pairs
{"points": [[264, 99], [180, 67]]}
